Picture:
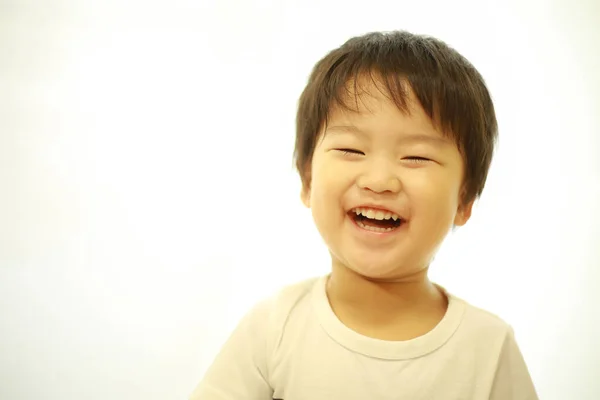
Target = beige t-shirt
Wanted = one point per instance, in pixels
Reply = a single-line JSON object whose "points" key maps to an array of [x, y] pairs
{"points": [[293, 347]]}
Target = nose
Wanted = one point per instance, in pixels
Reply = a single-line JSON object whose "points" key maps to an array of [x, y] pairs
{"points": [[379, 177]]}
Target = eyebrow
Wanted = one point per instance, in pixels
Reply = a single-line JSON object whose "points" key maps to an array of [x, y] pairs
{"points": [[410, 137]]}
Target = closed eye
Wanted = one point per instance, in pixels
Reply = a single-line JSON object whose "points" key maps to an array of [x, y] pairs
{"points": [[351, 151], [417, 159]]}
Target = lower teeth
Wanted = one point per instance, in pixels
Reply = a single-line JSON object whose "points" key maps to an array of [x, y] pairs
{"points": [[373, 228]]}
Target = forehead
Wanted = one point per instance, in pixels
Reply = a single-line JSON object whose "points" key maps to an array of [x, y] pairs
{"points": [[368, 109]]}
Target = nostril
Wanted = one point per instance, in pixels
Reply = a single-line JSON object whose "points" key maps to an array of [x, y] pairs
{"points": [[391, 184]]}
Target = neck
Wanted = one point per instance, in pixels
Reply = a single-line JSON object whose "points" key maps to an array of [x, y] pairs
{"points": [[383, 301]]}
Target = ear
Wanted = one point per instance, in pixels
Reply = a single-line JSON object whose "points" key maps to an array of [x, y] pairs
{"points": [[463, 214], [306, 181], [305, 196]]}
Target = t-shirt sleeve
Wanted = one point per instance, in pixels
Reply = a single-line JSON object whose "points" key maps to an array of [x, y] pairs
{"points": [[239, 370], [512, 380]]}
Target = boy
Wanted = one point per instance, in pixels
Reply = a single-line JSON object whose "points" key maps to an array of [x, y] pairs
{"points": [[395, 135]]}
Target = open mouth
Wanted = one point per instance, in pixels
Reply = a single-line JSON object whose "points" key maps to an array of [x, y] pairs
{"points": [[375, 220]]}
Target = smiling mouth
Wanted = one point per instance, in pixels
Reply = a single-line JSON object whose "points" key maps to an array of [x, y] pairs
{"points": [[376, 221]]}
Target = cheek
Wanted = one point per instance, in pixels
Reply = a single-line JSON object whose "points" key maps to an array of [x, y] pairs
{"points": [[435, 194], [320, 177], [330, 184], [324, 193], [328, 174]]}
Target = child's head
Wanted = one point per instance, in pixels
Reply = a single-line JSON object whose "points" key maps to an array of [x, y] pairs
{"points": [[400, 123]]}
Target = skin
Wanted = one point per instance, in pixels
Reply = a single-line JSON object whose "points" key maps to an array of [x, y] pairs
{"points": [[379, 155]]}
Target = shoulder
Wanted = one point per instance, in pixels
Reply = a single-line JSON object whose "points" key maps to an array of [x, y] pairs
{"points": [[482, 329], [274, 310], [284, 302], [289, 296], [484, 320]]}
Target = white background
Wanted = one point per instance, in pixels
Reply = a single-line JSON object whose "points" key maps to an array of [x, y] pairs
{"points": [[147, 197]]}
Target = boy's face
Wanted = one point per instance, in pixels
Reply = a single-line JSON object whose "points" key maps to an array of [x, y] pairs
{"points": [[382, 159]]}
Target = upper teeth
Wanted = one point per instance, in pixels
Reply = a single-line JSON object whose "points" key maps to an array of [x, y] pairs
{"points": [[376, 214]]}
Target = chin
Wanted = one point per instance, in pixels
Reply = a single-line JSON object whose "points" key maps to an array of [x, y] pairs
{"points": [[385, 269], [376, 271]]}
